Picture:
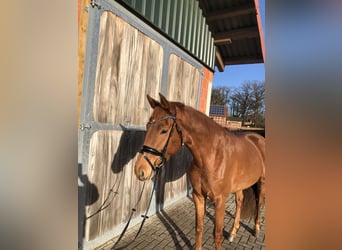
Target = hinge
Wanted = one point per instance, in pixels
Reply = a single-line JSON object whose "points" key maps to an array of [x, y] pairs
{"points": [[94, 4], [84, 126]]}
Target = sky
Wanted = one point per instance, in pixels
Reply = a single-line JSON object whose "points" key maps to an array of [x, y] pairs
{"points": [[235, 75]]}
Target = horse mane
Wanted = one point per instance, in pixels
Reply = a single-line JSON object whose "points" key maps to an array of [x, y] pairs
{"points": [[202, 116]]}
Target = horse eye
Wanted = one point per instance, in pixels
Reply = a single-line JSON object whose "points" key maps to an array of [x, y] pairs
{"points": [[164, 131]]}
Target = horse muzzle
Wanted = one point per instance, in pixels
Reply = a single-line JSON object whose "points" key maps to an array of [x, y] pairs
{"points": [[144, 174]]}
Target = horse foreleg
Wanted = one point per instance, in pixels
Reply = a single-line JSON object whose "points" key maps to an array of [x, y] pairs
{"points": [[200, 209], [236, 225], [199, 200], [261, 192], [220, 206]]}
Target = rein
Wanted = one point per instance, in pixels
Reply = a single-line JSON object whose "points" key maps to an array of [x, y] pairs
{"points": [[144, 216], [161, 154], [149, 150]]}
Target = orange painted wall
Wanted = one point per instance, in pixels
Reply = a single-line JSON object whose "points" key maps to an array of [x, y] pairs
{"points": [[82, 30], [206, 87]]}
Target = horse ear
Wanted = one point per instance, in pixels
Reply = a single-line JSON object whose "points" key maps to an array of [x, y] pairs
{"points": [[152, 102], [164, 103]]}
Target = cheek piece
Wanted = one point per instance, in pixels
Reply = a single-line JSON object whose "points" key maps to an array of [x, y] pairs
{"points": [[160, 162]]}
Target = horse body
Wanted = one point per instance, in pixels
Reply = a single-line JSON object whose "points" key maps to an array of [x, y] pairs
{"points": [[224, 166], [223, 162]]}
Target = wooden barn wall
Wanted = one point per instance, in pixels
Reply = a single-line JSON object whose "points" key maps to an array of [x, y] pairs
{"points": [[129, 66], [182, 21], [110, 169], [183, 81], [174, 180], [115, 189]]}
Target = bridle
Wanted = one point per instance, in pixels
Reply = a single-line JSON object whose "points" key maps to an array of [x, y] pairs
{"points": [[147, 149]]}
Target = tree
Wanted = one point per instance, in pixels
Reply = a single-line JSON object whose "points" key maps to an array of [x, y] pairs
{"points": [[248, 102], [220, 96], [258, 104]]}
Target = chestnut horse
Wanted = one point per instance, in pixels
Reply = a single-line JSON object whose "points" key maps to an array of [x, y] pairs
{"points": [[223, 162]]}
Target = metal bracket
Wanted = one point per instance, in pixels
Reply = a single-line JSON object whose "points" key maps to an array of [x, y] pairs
{"points": [[94, 4], [84, 126]]}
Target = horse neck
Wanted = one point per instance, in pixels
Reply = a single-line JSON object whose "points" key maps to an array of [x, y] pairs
{"points": [[197, 128]]}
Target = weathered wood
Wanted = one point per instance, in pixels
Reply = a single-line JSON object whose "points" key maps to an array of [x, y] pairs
{"points": [[218, 15], [183, 81], [237, 34], [219, 61], [129, 67], [111, 162], [176, 181]]}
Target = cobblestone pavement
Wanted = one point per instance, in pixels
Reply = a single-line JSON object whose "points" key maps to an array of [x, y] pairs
{"points": [[174, 228]]}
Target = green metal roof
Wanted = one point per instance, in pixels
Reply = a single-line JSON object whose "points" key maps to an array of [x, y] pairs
{"points": [[183, 22]]}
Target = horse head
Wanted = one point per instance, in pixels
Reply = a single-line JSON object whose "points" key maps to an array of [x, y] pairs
{"points": [[163, 138]]}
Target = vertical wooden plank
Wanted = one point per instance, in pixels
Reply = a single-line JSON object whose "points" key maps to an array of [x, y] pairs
{"points": [[183, 81], [111, 162], [128, 61], [175, 173], [129, 66], [180, 20]]}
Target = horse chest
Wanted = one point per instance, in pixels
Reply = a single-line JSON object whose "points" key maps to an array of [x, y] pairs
{"points": [[213, 186]]}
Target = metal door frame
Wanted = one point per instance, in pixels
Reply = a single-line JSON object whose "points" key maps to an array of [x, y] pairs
{"points": [[88, 125]]}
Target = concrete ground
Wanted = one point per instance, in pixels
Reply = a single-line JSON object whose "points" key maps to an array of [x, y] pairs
{"points": [[174, 228]]}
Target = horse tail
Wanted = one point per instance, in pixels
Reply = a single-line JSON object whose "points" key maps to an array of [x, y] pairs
{"points": [[249, 203]]}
